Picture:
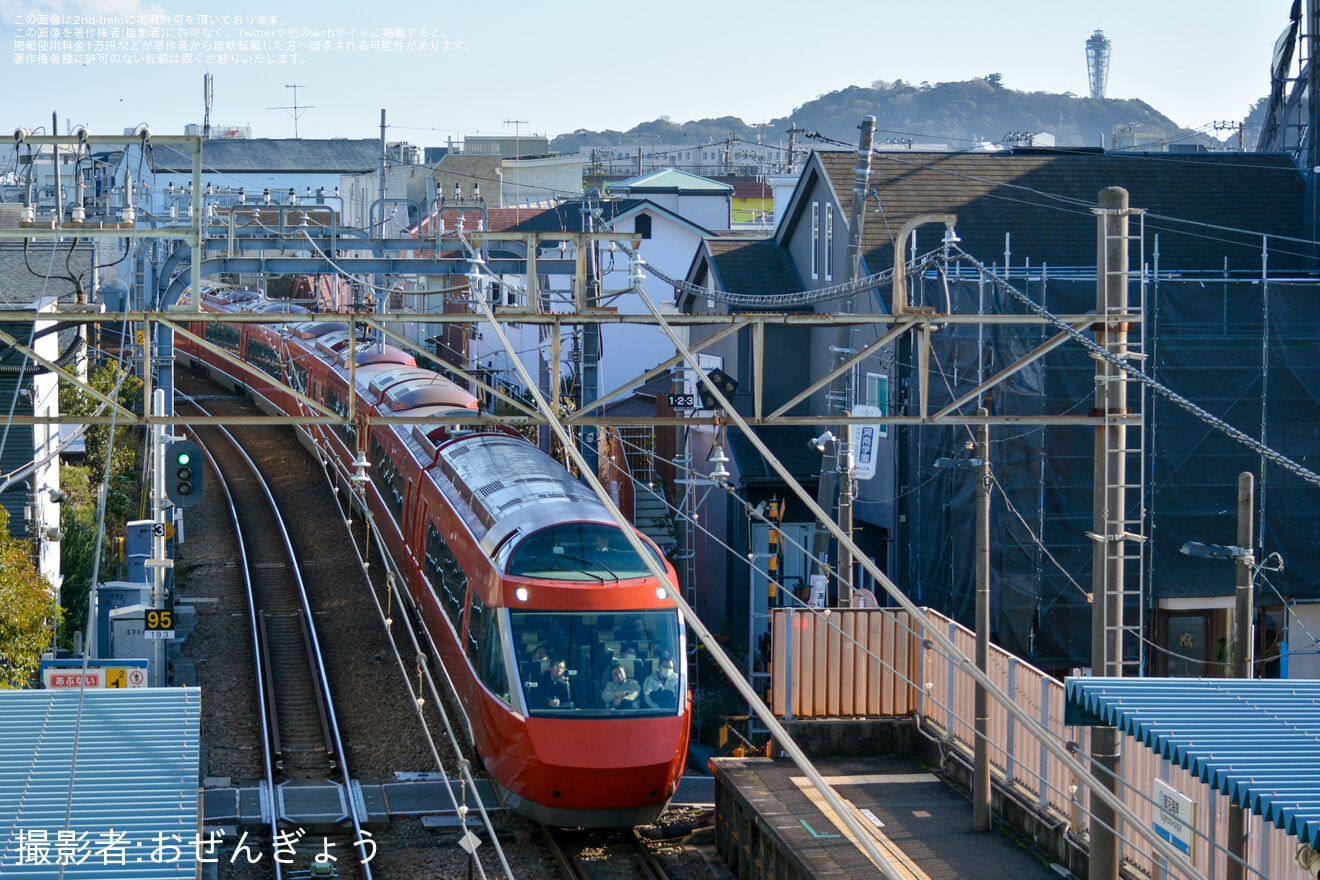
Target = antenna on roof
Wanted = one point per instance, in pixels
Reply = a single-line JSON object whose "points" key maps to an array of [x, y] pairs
{"points": [[208, 96], [295, 109]]}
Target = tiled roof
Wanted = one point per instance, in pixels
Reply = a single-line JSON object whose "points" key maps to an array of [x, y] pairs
{"points": [[567, 216], [669, 180], [752, 189], [134, 774], [334, 155], [1043, 198], [758, 267], [497, 219], [23, 277]]}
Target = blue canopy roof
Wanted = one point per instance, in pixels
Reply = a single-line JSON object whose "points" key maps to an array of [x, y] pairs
{"points": [[132, 801], [1255, 741]]}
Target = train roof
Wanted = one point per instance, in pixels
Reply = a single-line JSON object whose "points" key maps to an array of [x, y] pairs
{"points": [[512, 486]]}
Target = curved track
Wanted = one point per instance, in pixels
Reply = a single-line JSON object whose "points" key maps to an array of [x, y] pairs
{"points": [[301, 740]]}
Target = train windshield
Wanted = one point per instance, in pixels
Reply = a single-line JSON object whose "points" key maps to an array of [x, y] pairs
{"points": [[579, 552], [616, 664]]}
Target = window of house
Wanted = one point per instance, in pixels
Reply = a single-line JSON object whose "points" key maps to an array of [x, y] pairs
{"points": [[815, 240], [642, 225], [877, 395], [829, 242]]}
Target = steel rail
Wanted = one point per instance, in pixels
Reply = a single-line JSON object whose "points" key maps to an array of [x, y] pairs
{"points": [[329, 721]]}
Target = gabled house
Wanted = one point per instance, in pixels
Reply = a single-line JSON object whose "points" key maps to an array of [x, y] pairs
{"points": [[1219, 242], [668, 242], [703, 201]]}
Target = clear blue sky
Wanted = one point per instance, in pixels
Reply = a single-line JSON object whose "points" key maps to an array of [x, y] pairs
{"points": [[573, 64]]}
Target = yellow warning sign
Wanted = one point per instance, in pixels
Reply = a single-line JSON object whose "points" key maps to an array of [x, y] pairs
{"points": [[116, 678]]}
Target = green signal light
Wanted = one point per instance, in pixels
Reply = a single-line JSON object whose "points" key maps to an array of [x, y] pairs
{"points": [[183, 458]]}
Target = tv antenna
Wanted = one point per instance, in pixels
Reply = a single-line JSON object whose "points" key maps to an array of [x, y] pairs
{"points": [[295, 110]]}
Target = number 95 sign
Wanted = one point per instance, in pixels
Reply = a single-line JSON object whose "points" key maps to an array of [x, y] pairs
{"points": [[158, 624]]}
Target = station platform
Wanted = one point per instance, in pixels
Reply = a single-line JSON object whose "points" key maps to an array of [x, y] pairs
{"points": [[771, 822]]}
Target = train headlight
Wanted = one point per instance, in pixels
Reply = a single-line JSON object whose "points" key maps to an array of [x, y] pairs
{"points": [[520, 594], [661, 593]]}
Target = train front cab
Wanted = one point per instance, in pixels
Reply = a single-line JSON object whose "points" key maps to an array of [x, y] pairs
{"points": [[581, 761]]}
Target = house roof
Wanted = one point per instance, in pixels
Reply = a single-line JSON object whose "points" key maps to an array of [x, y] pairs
{"points": [[670, 180], [497, 219], [1043, 197], [1256, 741], [567, 215], [23, 270], [283, 155], [758, 267], [788, 443], [134, 773], [752, 189]]}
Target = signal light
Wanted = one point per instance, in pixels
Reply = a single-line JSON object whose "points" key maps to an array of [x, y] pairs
{"points": [[183, 473]]}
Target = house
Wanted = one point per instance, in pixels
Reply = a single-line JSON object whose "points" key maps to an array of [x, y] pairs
{"points": [[701, 200], [1226, 301], [753, 202], [668, 242]]}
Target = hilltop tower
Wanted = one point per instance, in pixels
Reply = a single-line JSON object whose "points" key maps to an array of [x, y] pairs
{"points": [[1097, 63]]}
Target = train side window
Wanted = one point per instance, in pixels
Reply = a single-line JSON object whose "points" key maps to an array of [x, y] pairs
{"points": [[387, 479], [485, 648], [447, 577]]}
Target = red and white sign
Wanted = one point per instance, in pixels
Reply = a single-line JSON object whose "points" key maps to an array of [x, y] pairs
{"points": [[54, 678]]}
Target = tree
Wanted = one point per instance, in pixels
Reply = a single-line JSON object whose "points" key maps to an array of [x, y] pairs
{"points": [[995, 79], [27, 610], [79, 514]]}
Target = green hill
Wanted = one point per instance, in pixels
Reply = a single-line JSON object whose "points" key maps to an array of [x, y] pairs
{"points": [[958, 114]]}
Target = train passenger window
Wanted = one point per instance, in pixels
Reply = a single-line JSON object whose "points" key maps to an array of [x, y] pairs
{"points": [[588, 645], [385, 474], [579, 552], [446, 576], [485, 648]]}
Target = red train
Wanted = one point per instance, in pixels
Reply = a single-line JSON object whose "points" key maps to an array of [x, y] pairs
{"points": [[567, 654]]}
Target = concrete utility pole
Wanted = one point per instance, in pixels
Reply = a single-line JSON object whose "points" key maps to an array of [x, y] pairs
{"points": [[837, 398], [1243, 654], [981, 820], [1108, 537]]}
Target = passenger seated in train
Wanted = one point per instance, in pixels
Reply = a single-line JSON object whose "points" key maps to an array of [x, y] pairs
{"points": [[621, 692], [555, 690], [660, 690]]}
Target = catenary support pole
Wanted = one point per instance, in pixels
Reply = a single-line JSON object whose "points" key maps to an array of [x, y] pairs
{"points": [[1108, 536], [981, 820]]}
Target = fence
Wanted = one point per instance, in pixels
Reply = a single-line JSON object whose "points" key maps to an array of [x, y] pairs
{"points": [[878, 662]]}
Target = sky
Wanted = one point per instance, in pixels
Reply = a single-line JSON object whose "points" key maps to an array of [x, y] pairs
{"points": [[441, 70]]}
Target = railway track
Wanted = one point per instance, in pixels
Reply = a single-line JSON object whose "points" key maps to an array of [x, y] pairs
{"points": [[300, 735], [613, 854]]}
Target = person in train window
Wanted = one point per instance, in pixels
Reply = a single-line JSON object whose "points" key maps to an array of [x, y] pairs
{"points": [[628, 652], [660, 690], [541, 653], [555, 690], [621, 692]]}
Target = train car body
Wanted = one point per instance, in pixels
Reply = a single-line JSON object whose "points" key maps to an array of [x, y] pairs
{"points": [[530, 592]]}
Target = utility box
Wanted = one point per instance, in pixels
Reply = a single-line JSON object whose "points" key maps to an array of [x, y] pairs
{"points": [[137, 549], [127, 625], [105, 599]]}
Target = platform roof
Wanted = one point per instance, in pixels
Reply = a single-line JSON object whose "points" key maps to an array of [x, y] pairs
{"points": [[1255, 741], [134, 773]]}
